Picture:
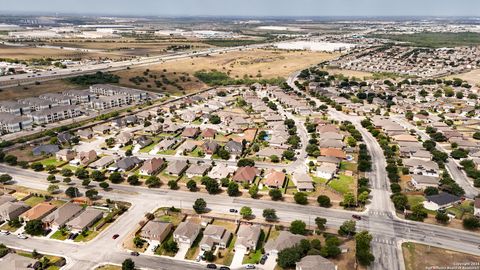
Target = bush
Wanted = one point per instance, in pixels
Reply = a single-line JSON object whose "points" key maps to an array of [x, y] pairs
{"points": [[324, 201], [301, 198], [275, 194], [298, 227]]}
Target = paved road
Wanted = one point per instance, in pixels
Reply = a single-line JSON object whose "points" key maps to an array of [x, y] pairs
{"points": [[452, 165]]}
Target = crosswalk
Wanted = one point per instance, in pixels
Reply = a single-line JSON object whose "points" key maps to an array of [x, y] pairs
{"points": [[386, 241]]}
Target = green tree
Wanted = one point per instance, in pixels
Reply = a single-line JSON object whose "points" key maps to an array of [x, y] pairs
{"points": [[288, 154], [200, 205], [104, 185], [321, 222], [348, 228], [349, 200], [209, 257], [66, 172], [91, 194], [170, 246], [400, 201], [298, 227], [72, 192], [211, 185], [172, 184], [152, 181], [115, 177], [37, 166], [275, 194], [128, 264], [246, 212], [442, 217], [245, 162], [34, 227], [363, 249], [192, 185], [471, 223], [133, 180], [232, 189], [214, 119], [97, 175], [301, 198], [5, 178], [363, 197], [52, 188], [270, 214], [81, 173], [253, 191], [288, 257]]}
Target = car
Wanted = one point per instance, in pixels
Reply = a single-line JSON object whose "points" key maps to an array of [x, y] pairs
{"points": [[115, 236], [22, 236], [134, 253], [250, 266], [263, 259], [233, 210], [224, 268], [211, 266], [4, 232], [357, 217]]}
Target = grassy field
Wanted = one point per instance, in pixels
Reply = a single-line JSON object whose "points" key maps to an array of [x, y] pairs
{"points": [[472, 77], [436, 39], [32, 201], [109, 267], [19, 92], [343, 184], [418, 256], [29, 53]]}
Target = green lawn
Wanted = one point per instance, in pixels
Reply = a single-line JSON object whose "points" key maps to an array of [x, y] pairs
{"points": [[195, 152], [127, 147], [253, 257], [161, 250], [51, 161], [348, 166], [89, 235], [415, 200], [343, 184], [150, 147], [34, 200], [167, 152], [59, 236], [319, 180], [192, 251], [459, 210], [7, 227]]}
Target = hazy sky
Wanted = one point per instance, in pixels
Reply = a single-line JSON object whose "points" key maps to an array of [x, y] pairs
{"points": [[250, 7]]}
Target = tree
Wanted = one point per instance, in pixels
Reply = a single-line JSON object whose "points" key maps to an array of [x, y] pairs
{"points": [[97, 175], [459, 153], [298, 227], [66, 172], [172, 184], [245, 162], [400, 201], [232, 189], [152, 181], [91, 194], [214, 119], [321, 222], [51, 178], [37, 166], [274, 159], [133, 180], [72, 192], [348, 228], [476, 135], [192, 185], [67, 180], [211, 185], [288, 257], [5, 178], [363, 250], [275, 194], [128, 264], [301, 198], [253, 191], [10, 160], [442, 217], [223, 154], [246, 212], [115, 177], [429, 191], [34, 227], [104, 185], [81, 173], [288, 154], [471, 223], [138, 242], [324, 201], [128, 153], [418, 213], [429, 145], [209, 257], [395, 187], [52, 188], [170, 246], [349, 200], [363, 197], [86, 182], [269, 214], [200, 205], [51, 168]]}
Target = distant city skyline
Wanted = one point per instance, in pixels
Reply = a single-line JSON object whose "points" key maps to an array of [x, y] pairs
{"points": [[253, 8]]}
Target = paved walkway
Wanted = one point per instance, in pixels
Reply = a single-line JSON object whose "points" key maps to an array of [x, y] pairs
{"points": [[238, 258]]}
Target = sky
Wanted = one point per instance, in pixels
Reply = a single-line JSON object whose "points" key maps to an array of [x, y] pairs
{"points": [[254, 8]]}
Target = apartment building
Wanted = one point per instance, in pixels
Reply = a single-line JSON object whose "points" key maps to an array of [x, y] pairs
{"points": [[55, 114]]}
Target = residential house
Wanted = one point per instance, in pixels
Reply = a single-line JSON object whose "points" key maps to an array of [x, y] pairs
{"points": [[39, 211], [156, 231], [186, 232], [166, 144], [143, 141], [270, 151], [177, 167], [65, 155], [209, 133], [126, 164], [85, 134], [213, 236], [124, 138], [220, 171], [247, 237], [85, 220], [315, 262], [303, 181], [188, 146], [45, 149], [333, 152], [64, 138], [284, 240], [210, 147], [441, 201], [327, 170], [152, 166], [245, 174], [87, 157], [423, 181], [62, 215], [13, 261], [191, 133], [198, 170], [234, 148], [274, 179], [421, 154], [101, 129], [420, 166], [330, 160], [12, 210], [102, 163]]}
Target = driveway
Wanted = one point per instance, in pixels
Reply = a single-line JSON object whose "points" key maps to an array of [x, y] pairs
{"points": [[182, 251], [238, 258], [270, 263]]}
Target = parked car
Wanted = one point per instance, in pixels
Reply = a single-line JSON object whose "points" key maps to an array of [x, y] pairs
{"points": [[134, 253], [357, 217], [263, 259], [232, 210], [72, 236], [22, 236], [224, 268], [4, 232], [211, 266], [115, 236], [250, 266]]}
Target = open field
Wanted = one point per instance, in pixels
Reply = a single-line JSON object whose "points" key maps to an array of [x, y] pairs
{"points": [[418, 256], [437, 39], [472, 77], [19, 92], [349, 73]]}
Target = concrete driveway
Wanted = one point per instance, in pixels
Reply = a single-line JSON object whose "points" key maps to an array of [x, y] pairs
{"points": [[270, 263], [238, 258], [182, 251]]}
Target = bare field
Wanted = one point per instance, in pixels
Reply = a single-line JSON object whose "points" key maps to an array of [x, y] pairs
{"points": [[418, 256], [28, 53], [472, 77], [32, 90], [268, 63], [349, 73]]}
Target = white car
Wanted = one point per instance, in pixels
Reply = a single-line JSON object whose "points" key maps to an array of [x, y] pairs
{"points": [[250, 266], [4, 232], [22, 236]]}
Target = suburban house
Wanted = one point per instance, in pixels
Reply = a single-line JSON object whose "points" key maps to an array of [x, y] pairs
{"points": [[331, 160], [419, 166], [441, 200], [198, 170], [215, 235], [423, 181], [87, 157], [143, 141], [210, 147], [64, 138], [187, 146], [186, 232], [270, 151], [166, 144], [101, 129], [327, 170], [247, 237], [102, 163], [85, 220], [12, 210], [245, 174], [126, 164], [39, 211], [177, 167], [303, 181], [191, 133], [220, 171], [85, 134], [209, 133], [13, 261], [315, 262], [152, 166], [124, 138], [284, 240], [45, 149], [156, 231], [234, 148], [333, 152], [274, 179], [65, 155], [62, 215]]}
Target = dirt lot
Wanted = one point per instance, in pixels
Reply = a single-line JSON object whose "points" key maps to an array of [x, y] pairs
{"points": [[472, 77], [419, 256], [349, 73], [19, 92]]}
